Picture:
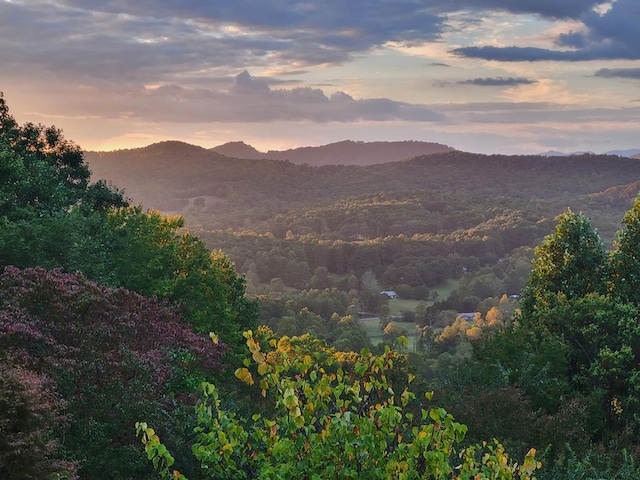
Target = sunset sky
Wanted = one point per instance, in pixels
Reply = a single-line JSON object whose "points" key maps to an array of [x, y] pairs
{"points": [[490, 76]]}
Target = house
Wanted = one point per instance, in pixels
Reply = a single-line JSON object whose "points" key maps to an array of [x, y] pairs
{"points": [[389, 293]]}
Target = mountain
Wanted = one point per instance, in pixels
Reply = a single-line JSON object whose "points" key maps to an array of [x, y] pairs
{"points": [[636, 156], [238, 150], [214, 191], [620, 153], [346, 152], [554, 153], [633, 153]]}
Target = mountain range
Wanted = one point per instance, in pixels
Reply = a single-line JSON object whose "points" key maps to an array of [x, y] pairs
{"points": [[347, 152], [216, 191], [631, 153]]}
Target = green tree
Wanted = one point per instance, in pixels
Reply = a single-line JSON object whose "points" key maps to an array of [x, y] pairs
{"points": [[152, 255], [350, 336], [56, 174], [50, 215], [575, 347], [625, 259], [571, 262]]}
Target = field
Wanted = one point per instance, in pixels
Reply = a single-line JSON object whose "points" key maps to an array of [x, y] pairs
{"points": [[372, 327], [396, 307]]}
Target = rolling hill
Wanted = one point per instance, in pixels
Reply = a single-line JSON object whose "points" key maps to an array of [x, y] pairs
{"points": [[220, 192], [346, 152], [418, 222]]}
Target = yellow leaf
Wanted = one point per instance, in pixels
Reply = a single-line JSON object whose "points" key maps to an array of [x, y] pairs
{"points": [[244, 375]]}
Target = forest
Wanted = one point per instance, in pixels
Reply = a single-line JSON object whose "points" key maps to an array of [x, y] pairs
{"points": [[170, 312]]}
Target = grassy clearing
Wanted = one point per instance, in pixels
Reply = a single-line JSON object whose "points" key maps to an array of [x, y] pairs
{"points": [[446, 288], [397, 305], [372, 327]]}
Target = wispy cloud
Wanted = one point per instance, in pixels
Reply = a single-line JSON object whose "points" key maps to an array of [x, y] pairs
{"points": [[497, 81], [545, 8]]}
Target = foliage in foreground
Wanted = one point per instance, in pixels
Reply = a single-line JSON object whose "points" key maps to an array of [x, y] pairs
{"points": [[103, 357], [332, 419]]}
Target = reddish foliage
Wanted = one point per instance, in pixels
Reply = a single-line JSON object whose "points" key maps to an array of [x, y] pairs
{"points": [[29, 412], [116, 357]]}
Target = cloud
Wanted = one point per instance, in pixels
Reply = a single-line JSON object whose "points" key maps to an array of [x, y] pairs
{"points": [[609, 34], [515, 54], [546, 8], [274, 31], [170, 41], [497, 81], [619, 73], [248, 99], [251, 99], [540, 113]]}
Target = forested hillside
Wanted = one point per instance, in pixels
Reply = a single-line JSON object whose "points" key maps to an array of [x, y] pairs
{"points": [[148, 318], [178, 177], [218, 192], [416, 222], [347, 152]]}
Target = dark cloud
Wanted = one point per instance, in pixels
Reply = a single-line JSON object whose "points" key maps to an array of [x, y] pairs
{"points": [[397, 20], [155, 41], [307, 32], [174, 41], [610, 35], [498, 81], [533, 54], [572, 40], [619, 73]]}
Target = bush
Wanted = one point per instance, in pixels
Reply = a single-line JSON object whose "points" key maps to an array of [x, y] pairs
{"points": [[113, 355]]}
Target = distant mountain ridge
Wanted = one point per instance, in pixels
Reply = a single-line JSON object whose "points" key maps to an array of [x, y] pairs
{"points": [[216, 191], [631, 153], [347, 152]]}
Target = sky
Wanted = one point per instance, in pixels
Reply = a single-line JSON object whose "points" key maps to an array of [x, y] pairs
{"points": [[486, 76]]}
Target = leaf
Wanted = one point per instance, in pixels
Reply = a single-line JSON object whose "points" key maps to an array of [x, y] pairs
{"points": [[244, 375]]}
